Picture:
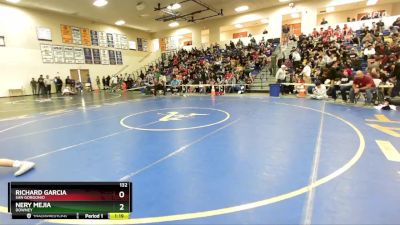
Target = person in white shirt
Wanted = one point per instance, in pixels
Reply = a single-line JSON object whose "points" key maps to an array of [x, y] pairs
{"points": [[296, 57], [319, 91], [306, 72], [47, 83], [113, 83], [369, 51], [281, 74], [23, 166]]}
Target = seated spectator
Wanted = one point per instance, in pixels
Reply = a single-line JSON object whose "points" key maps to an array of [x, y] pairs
{"points": [[362, 83], [175, 85], [369, 51], [319, 91]]}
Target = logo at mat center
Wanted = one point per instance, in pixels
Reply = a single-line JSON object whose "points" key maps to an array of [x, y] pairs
{"points": [[175, 119], [173, 116]]}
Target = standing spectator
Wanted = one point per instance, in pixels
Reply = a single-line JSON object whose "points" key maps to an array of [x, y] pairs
{"points": [[34, 86], [89, 82], [323, 22], [103, 80], [58, 83], [296, 57], [98, 82], [42, 88], [285, 34], [108, 79], [47, 83], [306, 72], [281, 74], [67, 82]]}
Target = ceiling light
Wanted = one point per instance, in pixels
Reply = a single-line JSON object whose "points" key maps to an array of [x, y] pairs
{"points": [[264, 21], [342, 2], [120, 22], [330, 9], [284, 1], [174, 24], [242, 8], [13, 1], [238, 25], [100, 3], [174, 6], [371, 2], [295, 15]]}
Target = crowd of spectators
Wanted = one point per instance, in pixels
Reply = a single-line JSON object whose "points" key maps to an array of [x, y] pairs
{"points": [[337, 56], [230, 68]]}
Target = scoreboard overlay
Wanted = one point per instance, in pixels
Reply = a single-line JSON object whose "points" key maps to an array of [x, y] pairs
{"points": [[70, 200]]}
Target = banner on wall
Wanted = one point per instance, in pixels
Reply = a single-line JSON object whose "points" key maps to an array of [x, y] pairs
{"points": [[76, 36], [47, 53], [69, 54], [118, 55], [86, 37], [66, 34], [124, 42], [105, 59], [88, 55], [111, 54], [96, 56], [132, 45], [163, 45], [140, 44], [94, 37], [239, 35], [110, 40], [58, 53], [102, 39], [43, 33], [117, 41], [79, 55]]}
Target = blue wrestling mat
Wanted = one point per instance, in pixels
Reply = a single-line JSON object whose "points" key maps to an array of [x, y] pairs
{"points": [[223, 160]]}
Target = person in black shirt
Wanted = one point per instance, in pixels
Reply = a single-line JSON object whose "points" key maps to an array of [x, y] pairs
{"points": [[42, 88], [323, 22], [396, 78], [103, 80], [34, 86]]}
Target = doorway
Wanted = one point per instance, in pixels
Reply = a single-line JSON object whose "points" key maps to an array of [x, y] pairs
{"points": [[79, 75], [292, 22]]}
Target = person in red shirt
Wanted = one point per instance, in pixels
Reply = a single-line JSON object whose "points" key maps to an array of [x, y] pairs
{"points": [[362, 83], [315, 33]]}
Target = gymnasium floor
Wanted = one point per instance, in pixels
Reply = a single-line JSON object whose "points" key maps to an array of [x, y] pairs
{"points": [[213, 160]]}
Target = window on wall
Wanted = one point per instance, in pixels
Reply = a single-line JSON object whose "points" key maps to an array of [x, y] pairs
{"points": [[239, 35]]}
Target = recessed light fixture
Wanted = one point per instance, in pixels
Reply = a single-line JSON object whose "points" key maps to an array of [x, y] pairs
{"points": [[242, 8], [120, 22], [174, 24], [264, 21], [238, 25], [284, 1], [14, 1], [174, 6], [100, 3], [330, 9], [371, 2]]}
